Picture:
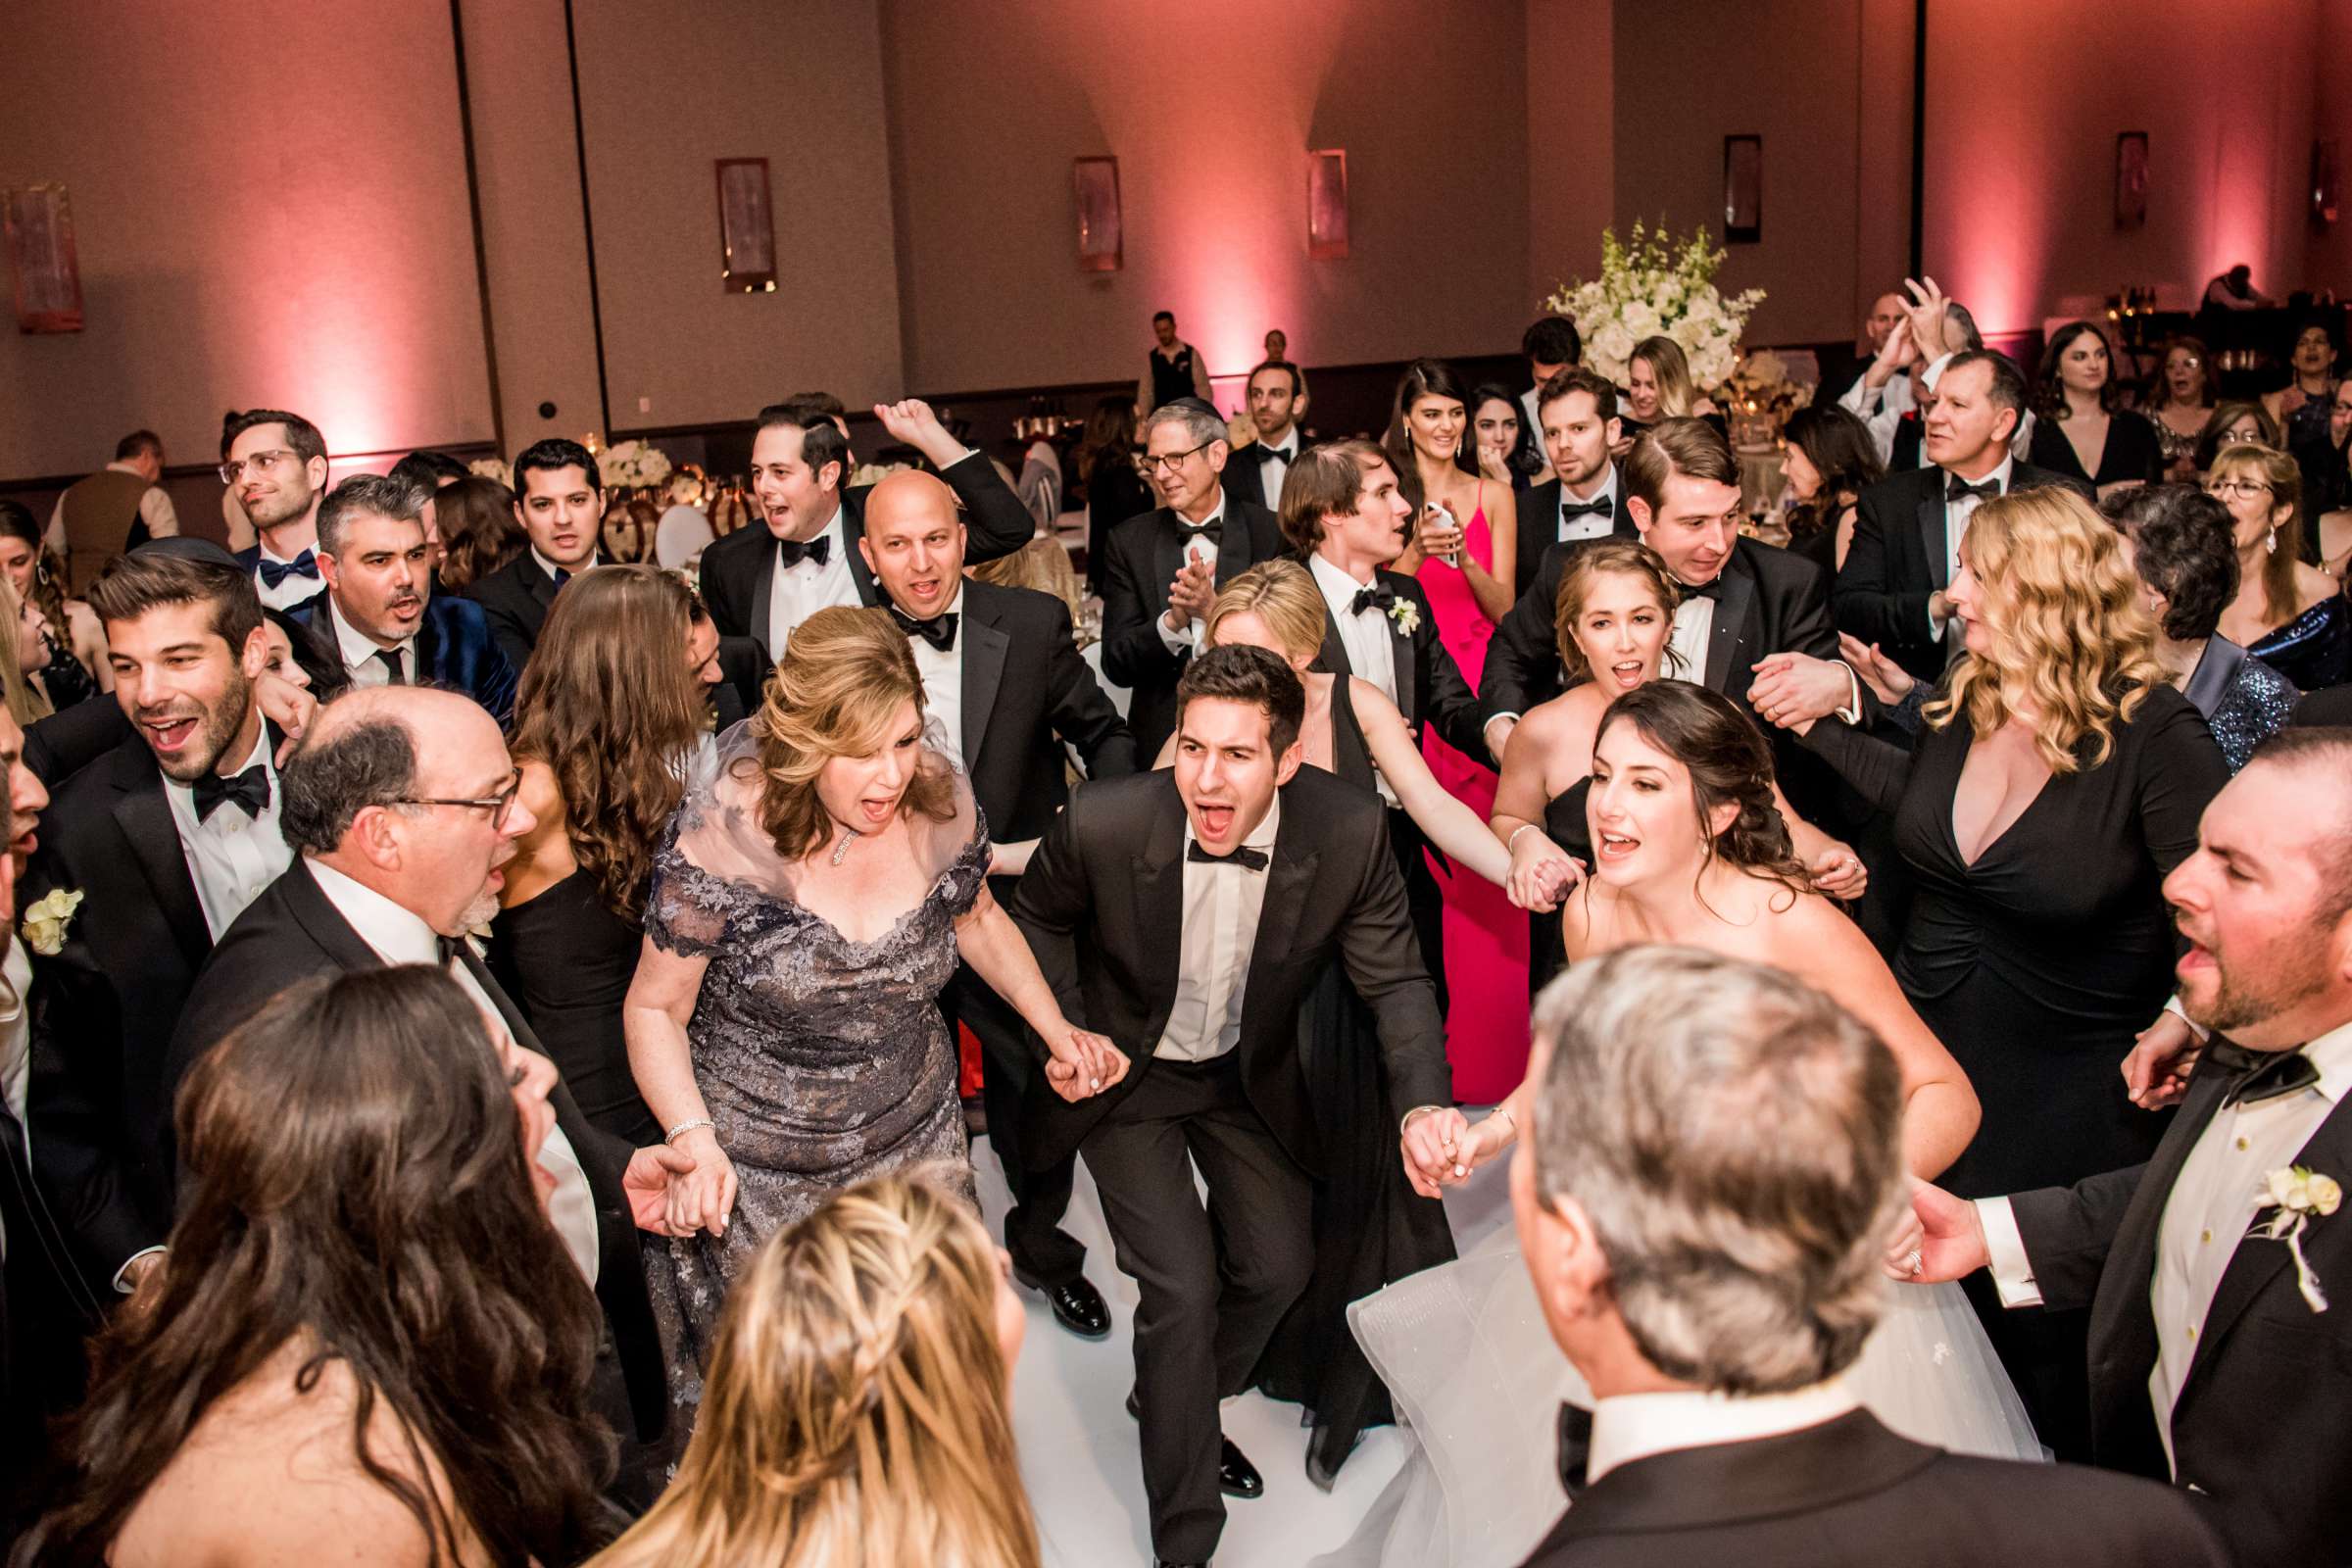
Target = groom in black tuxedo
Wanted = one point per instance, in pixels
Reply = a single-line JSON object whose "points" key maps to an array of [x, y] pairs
{"points": [[1576, 420], [763, 581], [2212, 1363], [1715, 1311], [1002, 675], [1187, 913], [1907, 528]]}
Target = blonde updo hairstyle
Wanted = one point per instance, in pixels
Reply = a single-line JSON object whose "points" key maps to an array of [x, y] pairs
{"points": [[1625, 558], [857, 1412], [843, 677], [1282, 593], [2071, 641]]}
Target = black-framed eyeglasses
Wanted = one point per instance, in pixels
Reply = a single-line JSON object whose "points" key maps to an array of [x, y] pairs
{"points": [[498, 806], [1175, 460], [261, 463]]}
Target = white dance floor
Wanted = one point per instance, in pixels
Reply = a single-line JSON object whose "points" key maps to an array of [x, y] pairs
{"points": [[1079, 1451]]}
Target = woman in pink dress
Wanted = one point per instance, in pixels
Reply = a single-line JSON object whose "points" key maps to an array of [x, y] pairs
{"points": [[1463, 554]]}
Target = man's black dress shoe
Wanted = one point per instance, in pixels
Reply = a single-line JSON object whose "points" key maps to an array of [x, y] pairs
{"points": [[1237, 1477], [1077, 1307]]}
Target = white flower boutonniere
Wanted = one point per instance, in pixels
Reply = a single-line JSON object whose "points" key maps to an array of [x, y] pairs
{"points": [[2297, 1196], [46, 921], [1407, 615]]}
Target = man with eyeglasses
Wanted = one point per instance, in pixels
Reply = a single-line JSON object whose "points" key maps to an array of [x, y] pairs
{"points": [[274, 463], [400, 805], [165, 838], [1160, 570]]}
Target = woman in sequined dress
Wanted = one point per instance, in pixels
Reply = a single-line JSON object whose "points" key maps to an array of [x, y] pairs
{"points": [[808, 905]]}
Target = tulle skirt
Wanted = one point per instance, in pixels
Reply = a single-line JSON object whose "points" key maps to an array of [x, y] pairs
{"points": [[1476, 1378]]}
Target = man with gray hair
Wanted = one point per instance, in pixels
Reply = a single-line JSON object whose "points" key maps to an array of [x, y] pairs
{"points": [[1712, 1165], [379, 623], [1160, 570]]}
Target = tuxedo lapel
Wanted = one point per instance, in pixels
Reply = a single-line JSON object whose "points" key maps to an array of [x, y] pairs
{"points": [[1288, 880], [2256, 1263], [1333, 661], [984, 651], [763, 589], [1408, 672], [144, 815], [428, 650], [1735, 604], [1160, 908], [1931, 534], [852, 533], [1167, 554], [1233, 543]]}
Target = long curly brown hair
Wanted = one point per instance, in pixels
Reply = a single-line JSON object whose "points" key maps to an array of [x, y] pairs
{"points": [[608, 703], [843, 677], [360, 1186], [1730, 762]]}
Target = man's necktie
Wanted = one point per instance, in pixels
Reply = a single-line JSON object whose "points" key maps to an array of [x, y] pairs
{"points": [[2263, 1074], [792, 552], [248, 789], [1249, 860], [1955, 487], [1379, 599], [275, 572], [391, 660], [1599, 507], [939, 631], [563, 576]]}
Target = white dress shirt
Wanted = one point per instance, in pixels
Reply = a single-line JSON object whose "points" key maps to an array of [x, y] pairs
{"points": [[291, 590], [942, 679], [1203, 549], [359, 651], [1688, 640], [154, 511], [231, 856], [801, 589], [1526, 412], [1881, 409], [1591, 525], [399, 936], [1275, 466], [569, 572], [1636, 1426], [1369, 638], [15, 1041], [1221, 904], [1955, 523], [2212, 1206]]}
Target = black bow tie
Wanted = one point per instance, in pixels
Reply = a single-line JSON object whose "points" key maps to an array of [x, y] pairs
{"points": [[1576, 1446], [1213, 530], [2263, 1074], [248, 789], [939, 631], [792, 552], [1249, 860], [1712, 588], [275, 572], [1599, 507], [1955, 487], [1379, 599], [1267, 454]]}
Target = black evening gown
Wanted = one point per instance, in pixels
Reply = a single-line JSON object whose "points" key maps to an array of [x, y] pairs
{"points": [[2036, 966], [567, 960], [1565, 824], [1370, 1228], [2132, 450]]}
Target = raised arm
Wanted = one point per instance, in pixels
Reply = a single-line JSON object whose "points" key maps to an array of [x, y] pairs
{"points": [[1452, 826]]}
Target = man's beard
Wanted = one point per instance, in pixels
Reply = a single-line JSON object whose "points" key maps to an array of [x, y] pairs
{"points": [[479, 913], [2250, 997]]}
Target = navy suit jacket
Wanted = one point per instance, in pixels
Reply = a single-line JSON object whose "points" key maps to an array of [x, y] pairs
{"points": [[455, 651]]}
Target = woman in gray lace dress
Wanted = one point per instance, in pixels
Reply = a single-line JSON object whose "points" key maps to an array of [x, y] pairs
{"points": [[807, 907]]}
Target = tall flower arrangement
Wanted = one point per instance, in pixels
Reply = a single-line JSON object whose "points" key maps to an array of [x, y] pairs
{"points": [[1654, 284], [633, 465]]}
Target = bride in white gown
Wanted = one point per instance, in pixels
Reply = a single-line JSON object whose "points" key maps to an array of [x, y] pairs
{"points": [[1687, 848]]}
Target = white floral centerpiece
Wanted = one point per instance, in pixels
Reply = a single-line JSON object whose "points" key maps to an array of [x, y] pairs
{"points": [[491, 469], [633, 465], [1654, 285]]}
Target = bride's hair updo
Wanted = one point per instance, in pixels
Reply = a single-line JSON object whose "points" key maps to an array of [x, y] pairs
{"points": [[843, 677], [1730, 762], [1283, 595]]}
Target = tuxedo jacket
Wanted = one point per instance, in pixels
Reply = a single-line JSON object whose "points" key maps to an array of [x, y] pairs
{"points": [[1102, 906], [1896, 562], [1244, 475], [1026, 692], [2330, 705], [2259, 1425], [1540, 530], [294, 931], [1849, 1494], [738, 572], [104, 1006], [1430, 686], [514, 600], [453, 649], [1139, 559]]}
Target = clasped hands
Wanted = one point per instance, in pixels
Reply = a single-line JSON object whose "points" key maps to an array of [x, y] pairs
{"points": [[1541, 874]]}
